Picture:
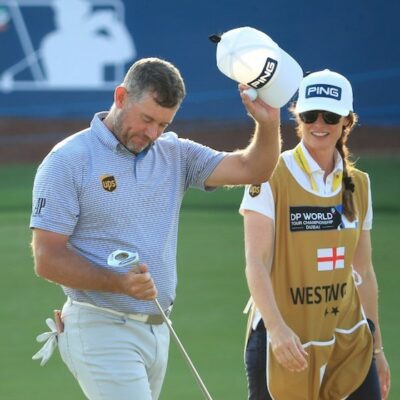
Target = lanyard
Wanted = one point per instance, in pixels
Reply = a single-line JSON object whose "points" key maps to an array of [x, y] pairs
{"points": [[303, 164]]}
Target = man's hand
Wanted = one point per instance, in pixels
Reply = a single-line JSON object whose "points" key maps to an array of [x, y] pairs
{"points": [[258, 109], [58, 321], [287, 349], [139, 284]]}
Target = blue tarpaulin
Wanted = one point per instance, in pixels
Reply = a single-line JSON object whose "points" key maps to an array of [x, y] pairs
{"points": [[62, 58]]}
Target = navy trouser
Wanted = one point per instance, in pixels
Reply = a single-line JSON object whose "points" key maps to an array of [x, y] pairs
{"points": [[255, 361]]}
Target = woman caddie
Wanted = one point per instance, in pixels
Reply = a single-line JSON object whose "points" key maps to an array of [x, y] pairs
{"points": [[312, 332]]}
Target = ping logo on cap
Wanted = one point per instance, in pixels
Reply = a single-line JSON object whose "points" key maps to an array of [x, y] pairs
{"points": [[266, 74], [322, 90]]}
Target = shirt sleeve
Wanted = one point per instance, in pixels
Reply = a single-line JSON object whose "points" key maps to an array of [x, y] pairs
{"points": [[55, 203], [200, 163], [367, 225], [258, 198]]}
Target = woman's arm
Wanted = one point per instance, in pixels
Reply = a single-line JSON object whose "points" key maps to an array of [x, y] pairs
{"points": [[368, 291], [259, 245]]}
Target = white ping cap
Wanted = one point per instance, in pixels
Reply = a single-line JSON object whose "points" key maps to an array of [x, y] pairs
{"points": [[249, 56], [325, 90]]}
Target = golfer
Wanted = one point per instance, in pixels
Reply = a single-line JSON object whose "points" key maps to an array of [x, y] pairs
{"points": [[313, 334], [119, 185]]}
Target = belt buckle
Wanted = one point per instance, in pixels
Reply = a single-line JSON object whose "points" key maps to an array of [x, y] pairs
{"points": [[155, 319]]}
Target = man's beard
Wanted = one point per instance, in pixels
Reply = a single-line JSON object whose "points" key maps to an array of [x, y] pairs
{"points": [[119, 134]]}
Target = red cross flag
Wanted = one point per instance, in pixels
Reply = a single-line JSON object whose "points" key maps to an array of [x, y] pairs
{"points": [[330, 259]]}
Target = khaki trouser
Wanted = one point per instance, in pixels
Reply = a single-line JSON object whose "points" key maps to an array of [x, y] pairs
{"points": [[113, 357]]}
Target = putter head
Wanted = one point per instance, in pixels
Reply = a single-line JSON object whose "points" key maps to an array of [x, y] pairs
{"points": [[123, 258]]}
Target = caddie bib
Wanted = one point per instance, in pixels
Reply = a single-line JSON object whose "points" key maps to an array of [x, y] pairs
{"points": [[313, 284]]}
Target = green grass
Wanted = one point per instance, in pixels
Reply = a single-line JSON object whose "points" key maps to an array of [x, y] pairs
{"points": [[211, 291]]}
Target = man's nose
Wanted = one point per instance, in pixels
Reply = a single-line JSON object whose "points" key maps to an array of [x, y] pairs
{"points": [[152, 131]]}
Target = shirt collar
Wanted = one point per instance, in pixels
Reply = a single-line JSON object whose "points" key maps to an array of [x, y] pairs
{"points": [[103, 133], [313, 165]]}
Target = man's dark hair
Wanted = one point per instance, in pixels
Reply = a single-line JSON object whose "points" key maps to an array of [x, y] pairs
{"points": [[160, 77]]}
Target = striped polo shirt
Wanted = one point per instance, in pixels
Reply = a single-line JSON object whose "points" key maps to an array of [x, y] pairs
{"points": [[92, 189]]}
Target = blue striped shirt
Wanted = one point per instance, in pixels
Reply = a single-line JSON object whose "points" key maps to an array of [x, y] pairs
{"points": [[91, 188]]}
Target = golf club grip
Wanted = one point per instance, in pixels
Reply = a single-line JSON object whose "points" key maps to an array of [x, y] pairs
{"points": [[136, 268], [200, 382]]}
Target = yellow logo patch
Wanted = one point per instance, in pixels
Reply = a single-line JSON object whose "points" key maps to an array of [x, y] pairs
{"points": [[254, 190], [108, 182]]}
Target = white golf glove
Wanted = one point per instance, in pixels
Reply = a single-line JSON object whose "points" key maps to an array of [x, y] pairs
{"points": [[51, 343]]}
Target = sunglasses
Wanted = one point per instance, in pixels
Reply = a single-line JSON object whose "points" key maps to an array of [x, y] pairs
{"points": [[330, 118]]}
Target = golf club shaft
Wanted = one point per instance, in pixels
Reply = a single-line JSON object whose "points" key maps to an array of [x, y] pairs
{"points": [[206, 394], [185, 355]]}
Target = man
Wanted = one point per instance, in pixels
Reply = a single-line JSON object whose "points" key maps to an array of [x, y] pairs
{"points": [[119, 185]]}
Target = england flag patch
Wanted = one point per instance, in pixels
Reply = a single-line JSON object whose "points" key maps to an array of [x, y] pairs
{"points": [[330, 259]]}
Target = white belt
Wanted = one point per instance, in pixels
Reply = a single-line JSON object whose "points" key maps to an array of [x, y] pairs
{"points": [[152, 319]]}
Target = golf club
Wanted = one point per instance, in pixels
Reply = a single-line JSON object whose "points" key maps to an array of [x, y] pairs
{"points": [[123, 258]]}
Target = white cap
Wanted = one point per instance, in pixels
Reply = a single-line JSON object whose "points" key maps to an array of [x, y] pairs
{"points": [[249, 56], [325, 90]]}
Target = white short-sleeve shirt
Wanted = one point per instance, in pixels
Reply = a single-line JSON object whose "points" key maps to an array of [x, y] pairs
{"points": [[264, 203]]}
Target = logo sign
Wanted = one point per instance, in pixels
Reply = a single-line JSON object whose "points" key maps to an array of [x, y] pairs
{"points": [[321, 90], [53, 45], [308, 218], [108, 182], [318, 294], [266, 74], [254, 190], [40, 204]]}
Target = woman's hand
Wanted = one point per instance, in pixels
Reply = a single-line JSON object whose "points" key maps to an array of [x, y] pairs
{"points": [[288, 349], [384, 374]]}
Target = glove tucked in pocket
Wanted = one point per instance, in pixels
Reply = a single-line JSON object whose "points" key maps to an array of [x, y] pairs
{"points": [[50, 338]]}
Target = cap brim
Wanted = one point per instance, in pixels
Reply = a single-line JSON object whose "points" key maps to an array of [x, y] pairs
{"points": [[319, 103]]}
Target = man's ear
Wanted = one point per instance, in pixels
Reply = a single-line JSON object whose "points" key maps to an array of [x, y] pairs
{"points": [[120, 96]]}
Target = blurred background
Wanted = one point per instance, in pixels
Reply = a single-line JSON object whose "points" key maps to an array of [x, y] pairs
{"points": [[60, 61]]}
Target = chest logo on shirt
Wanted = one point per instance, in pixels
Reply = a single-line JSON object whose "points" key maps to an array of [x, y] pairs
{"points": [[254, 190], [108, 182], [309, 218]]}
